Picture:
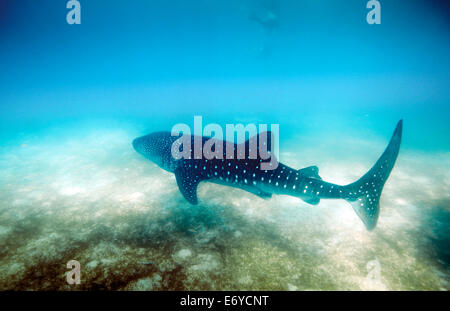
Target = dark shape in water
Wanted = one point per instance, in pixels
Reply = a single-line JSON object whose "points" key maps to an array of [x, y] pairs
{"points": [[268, 20], [363, 195], [266, 13]]}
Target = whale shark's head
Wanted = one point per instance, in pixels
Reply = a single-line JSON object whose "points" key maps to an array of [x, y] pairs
{"points": [[157, 147]]}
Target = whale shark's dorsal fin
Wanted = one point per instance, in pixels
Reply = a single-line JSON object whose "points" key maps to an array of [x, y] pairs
{"points": [[310, 171], [187, 183]]}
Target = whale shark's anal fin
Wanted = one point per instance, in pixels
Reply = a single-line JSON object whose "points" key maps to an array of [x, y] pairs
{"points": [[311, 172], [187, 183]]}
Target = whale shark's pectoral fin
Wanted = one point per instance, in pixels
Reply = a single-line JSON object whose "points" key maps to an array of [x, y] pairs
{"points": [[310, 171], [187, 183]]}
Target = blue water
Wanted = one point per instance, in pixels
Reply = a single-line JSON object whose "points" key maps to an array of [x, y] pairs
{"points": [[72, 98]]}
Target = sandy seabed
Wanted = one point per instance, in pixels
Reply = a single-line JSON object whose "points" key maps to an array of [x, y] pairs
{"points": [[92, 198]]}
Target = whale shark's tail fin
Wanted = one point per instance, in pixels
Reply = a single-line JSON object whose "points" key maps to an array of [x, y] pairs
{"points": [[364, 194]]}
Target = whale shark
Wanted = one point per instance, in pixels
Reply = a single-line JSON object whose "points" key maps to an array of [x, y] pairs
{"points": [[246, 173]]}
